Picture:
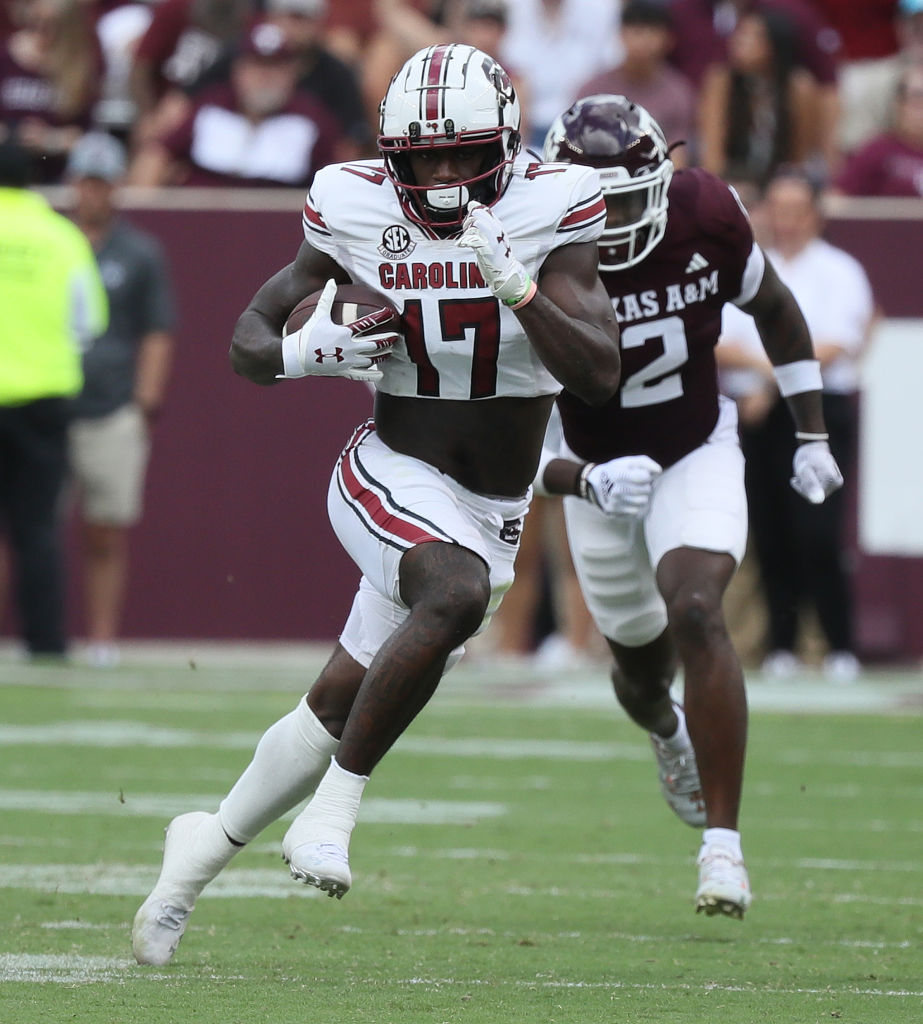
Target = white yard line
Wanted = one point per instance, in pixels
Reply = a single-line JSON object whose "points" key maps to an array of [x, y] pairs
{"points": [[209, 667], [102, 733], [128, 733], [375, 810], [69, 969], [133, 880], [66, 969], [769, 990], [113, 879]]}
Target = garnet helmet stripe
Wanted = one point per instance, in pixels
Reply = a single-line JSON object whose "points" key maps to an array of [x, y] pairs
{"points": [[434, 89]]}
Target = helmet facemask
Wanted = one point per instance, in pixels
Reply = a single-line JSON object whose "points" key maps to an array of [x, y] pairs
{"points": [[625, 144], [636, 215], [449, 96]]}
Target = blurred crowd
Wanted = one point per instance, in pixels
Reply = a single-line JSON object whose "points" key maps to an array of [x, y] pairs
{"points": [[264, 92]]}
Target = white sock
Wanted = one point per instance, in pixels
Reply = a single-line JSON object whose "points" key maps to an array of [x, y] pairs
{"points": [[332, 812], [679, 741], [729, 838], [288, 762]]}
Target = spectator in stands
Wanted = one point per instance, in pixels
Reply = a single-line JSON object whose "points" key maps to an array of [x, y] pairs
{"points": [[554, 46], [406, 23], [125, 375], [49, 75], [256, 130], [868, 65], [405, 26], [909, 28], [484, 24], [704, 26], [53, 305], [645, 76], [11, 18], [350, 26], [320, 73], [119, 29], [183, 39], [758, 111], [891, 164], [801, 548]]}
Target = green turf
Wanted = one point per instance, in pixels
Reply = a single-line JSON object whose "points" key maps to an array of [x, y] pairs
{"points": [[558, 887]]}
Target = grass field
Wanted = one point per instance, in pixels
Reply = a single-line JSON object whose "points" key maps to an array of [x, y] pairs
{"points": [[513, 862]]}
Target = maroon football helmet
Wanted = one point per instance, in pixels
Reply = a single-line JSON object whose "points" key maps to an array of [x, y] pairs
{"points": [[626, 145]]}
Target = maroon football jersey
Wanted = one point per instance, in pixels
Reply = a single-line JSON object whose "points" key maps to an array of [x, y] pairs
{"points": [[669, 312]]}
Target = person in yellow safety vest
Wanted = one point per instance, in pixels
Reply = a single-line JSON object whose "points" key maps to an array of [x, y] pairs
{"points": [[54, 305]]}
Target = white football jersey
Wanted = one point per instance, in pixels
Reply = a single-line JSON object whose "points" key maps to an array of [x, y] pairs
{"points": [[459, 341]]}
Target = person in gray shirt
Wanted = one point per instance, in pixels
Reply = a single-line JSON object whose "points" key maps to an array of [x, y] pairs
{"points": [[126, 372]]}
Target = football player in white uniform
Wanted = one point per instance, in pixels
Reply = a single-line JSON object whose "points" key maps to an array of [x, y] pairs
{"points": [[492, 260], [663, 523]]}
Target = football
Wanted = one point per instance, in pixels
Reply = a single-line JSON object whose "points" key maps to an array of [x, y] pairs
{"points": [[352, 302]]}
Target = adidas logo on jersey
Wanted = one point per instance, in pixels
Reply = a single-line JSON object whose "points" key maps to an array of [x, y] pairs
{"points": [[698, 262]]}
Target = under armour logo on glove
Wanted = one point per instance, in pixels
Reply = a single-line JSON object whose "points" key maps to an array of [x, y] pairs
{"points": [[350, 350]]}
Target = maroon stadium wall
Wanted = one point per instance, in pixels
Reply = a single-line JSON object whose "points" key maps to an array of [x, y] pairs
{"points": [[886, 236], [235, 542]]}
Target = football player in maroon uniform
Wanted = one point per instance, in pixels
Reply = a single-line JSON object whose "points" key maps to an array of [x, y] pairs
{"points": [[657, 513]]}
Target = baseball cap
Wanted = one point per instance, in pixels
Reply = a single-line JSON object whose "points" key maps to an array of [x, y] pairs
{"points": [[306, 8], [266, 41], [97, 155], [911, 6]]}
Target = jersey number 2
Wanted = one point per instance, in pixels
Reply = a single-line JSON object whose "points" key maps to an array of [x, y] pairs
{"points": [[659, 380]]}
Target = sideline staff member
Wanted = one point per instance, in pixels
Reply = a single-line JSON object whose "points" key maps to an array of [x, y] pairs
{"points": [[53, 305], [125, 374]]}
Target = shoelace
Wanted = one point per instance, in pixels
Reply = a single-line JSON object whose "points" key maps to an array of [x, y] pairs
{"points": [[719, 858], [681, 770], [676, 767]]}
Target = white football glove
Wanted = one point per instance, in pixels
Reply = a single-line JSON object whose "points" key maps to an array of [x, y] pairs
{"points": [[505, 275], [816, 474], [622, 487], [322, 348]]}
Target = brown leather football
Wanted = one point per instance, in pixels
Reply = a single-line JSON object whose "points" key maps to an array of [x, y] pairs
{"points": [[352, 302]]}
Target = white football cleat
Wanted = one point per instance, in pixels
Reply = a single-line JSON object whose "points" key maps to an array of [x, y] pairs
{"points": [[316, 861], [679, 782], [724, 886], [195, 849]]}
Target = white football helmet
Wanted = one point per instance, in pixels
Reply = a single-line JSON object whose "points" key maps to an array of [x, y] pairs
{"points": [[626, 145], [449, 95]]}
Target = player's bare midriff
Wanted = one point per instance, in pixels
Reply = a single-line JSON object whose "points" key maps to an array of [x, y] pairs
{"points": [[491, 446]]}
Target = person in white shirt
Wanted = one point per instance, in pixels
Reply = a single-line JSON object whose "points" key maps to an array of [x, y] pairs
{"points": [[555, 46], [799, 547]]}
